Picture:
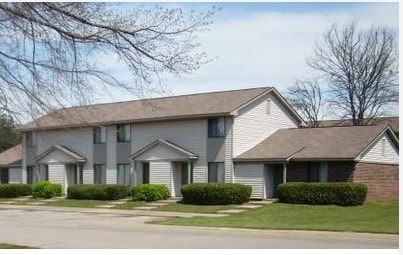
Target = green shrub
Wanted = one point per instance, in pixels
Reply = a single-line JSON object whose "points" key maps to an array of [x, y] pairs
{"points": [[336, 193], [149, 192], [216, 193], [97, 192], [15, 190], [46, 189]]}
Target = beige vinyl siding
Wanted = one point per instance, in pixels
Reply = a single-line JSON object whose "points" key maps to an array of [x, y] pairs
{"points": [[189, 134], [79, 140], [24, 159], [123, 153], [111, 165], [99, 154], [382, 151], [253, 175], [253, 123], [161, 173], [14, 175], [215, 149], [57, 174], [229, 169]]}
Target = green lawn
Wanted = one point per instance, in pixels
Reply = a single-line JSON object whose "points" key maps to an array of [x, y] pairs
{"points": [[179, 207], [13, 246], [77, 203], [375, 217]]}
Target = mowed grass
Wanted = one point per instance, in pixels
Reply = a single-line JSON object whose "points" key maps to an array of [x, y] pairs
{"points": [[77, 203], [180, 207], [14, 246], [372, 217]]}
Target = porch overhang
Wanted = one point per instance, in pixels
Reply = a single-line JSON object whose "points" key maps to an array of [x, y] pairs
{"points": [[163, 149], [72, 157]]}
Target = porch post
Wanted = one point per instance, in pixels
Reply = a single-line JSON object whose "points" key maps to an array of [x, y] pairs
{"points": [[284, 172], [77, 174], [189, 171]]}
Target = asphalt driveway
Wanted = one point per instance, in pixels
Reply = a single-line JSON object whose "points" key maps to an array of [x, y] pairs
{"points": [[49, 229]]}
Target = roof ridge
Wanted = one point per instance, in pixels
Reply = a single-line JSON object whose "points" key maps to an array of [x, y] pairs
{"points": [[163, 97]]}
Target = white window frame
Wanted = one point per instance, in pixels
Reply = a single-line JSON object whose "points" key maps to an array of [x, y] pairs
{"points": [[124, 174], [100, 135], [100, 169], [216, 172], [123, 133]]}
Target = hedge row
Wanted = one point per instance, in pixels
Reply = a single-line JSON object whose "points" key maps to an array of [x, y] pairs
{"points": [[340, 193], [215, 193], [149, 192], [46, 189], [15, 190], [97, 191]]}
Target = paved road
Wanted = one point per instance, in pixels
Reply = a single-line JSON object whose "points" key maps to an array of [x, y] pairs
{"points": [[88, 230]]}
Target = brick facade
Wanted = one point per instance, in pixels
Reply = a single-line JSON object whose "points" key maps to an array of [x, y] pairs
{"points": [[382, 180]]}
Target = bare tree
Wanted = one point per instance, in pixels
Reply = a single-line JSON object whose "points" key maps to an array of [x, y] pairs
{"points": [[306, 97], [361, 67], [54, 54]]}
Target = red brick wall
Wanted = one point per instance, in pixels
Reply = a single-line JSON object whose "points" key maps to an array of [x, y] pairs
{"points": [[382, 180]]}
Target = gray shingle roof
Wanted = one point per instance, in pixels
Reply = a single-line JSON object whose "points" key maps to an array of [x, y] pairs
{"points": [[177, 107], [393, 122], [11, 156], [337, 143]]}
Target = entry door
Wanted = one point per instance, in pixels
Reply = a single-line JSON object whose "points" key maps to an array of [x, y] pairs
{"points": [[184, 173], [277, 177], [71, 173], [4, 175]]}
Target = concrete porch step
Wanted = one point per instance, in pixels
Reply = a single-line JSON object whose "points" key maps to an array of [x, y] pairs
{"points": [[247, 206]]}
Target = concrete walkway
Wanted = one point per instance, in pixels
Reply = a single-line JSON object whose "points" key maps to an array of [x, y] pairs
{"points": [[109, 211]]}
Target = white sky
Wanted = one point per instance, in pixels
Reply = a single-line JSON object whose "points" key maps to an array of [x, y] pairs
{"points": [[265, 44]]}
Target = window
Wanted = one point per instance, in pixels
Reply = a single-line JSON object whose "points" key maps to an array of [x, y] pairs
{"points": [[30, 174], [383, 147], [317, 172], [124, 176], [216, 172], [123, 133], [30, 138], [216, 127], [146, 172], [100, 134], [99, 174]]}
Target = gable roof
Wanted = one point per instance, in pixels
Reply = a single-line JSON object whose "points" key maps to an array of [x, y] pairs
{"points": [[333, 143], [11, 156], [169, 144], [393, 122], [64, 150], [167, 108]]}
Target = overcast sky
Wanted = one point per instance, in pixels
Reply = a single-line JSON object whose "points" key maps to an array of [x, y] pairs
{"points": [[266, 44]]}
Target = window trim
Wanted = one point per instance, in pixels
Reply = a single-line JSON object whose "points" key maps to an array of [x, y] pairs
{"points": [[102, 135], [212, 126], [103, 173], [124, 173], [126, 138], [213, 166]]}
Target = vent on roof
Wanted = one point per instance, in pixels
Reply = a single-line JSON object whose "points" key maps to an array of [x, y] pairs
{"points": [[268, 106]]}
